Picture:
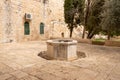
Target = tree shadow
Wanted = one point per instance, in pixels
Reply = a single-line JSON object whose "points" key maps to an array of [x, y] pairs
{"points": [[43, 54], [81, 54]]}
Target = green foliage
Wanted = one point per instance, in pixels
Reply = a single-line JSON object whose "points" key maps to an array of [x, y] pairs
{"points": [[68, 11], [99, 40], [94, 19], [111, 17], [73, 10]]}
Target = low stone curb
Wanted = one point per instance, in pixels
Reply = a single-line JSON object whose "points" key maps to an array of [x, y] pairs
{"points": [[112, 43], [106, 43]]}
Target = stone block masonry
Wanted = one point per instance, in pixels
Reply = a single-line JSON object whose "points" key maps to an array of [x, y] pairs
{"points": [[12, 19]]}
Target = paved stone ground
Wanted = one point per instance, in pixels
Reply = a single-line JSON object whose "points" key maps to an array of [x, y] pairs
{"points": [[20, 61]]}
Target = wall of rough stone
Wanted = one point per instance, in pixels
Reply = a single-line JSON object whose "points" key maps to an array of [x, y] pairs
{"points": [[50, 13], [1, 20], [19, 8], [12, 19], [5, 21]]}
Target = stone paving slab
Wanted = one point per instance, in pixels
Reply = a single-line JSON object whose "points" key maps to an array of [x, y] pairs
{"points": [[5, 76], [12, 78], [42, 75], [20, 61], [19, 74], [29, 78], [5, 68]]}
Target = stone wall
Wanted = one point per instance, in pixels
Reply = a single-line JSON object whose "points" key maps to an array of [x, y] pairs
{"points": [[1, 20], [50, 13], [12, 20], [6, 30], [19, 9]]}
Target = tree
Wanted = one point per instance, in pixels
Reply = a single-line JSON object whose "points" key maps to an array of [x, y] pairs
{"points": [[92, 18], [111, 18], [86, 13], [73, 10]]}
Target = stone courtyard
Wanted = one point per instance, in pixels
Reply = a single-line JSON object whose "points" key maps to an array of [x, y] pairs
{"points": [[20, 61]]}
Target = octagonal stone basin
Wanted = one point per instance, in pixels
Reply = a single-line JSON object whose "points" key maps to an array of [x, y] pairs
{"points": [[62, 49]]}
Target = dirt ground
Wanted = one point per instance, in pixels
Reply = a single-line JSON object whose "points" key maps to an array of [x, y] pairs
{"points": [[20, 61]]}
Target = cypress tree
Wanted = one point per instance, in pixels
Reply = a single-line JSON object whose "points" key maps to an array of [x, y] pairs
{"points": [[73, 10]]}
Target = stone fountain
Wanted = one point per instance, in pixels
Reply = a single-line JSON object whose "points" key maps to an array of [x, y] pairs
{"points": [[62, 49]]}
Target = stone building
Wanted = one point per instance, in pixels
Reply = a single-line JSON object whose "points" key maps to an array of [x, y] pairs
{"points": [[27, 20], [24, 20]]}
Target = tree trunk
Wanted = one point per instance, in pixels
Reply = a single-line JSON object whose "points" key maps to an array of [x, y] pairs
{"points": [[71, 30], [86, 18], [109, 34], [90, 35], [89, 32], [83, 36]]}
